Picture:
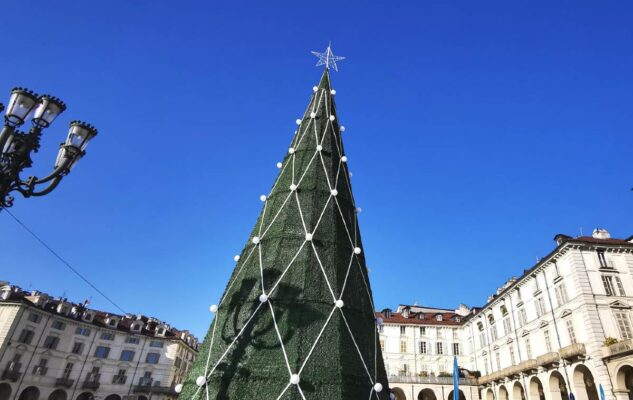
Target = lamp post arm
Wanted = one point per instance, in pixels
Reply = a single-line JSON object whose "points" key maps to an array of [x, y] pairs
{"points": [[49, 188], [5, 134]]}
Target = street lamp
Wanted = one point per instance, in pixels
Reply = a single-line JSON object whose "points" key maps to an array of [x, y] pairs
{"points": [[16, 146]]}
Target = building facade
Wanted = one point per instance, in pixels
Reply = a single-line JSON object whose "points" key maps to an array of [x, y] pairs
{"points": [[563, 327], [52, 349]]}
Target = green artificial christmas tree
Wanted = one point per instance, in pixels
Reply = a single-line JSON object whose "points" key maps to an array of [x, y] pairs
{"points": [[296, 320]]}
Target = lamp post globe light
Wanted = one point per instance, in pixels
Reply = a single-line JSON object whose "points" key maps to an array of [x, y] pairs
{"points": [[16, 146]]}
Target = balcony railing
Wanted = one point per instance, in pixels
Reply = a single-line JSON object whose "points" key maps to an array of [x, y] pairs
{"points": [[618, 349], [119, 379], [573, 351], [548, 359], [12, 372], [154, 389], [91, 382], [440, 380], [65, 382]]}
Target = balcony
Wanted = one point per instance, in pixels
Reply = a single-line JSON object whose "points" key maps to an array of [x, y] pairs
{"points": [[551, 359], [618, 349], [91, 382], [528, 366], [154, 389], [440, 380], [12, 372], [65, 382], [575, 351]]}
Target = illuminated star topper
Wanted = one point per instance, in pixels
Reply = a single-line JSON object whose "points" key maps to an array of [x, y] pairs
{"points": [[328, 58]]}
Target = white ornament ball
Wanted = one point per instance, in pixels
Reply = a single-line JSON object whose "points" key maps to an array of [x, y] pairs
{"points": [[279, 165], [178, 388], [256, 239], [308, 237], [314, 88], [291, 151], [201, 380], [357, 250], [298, 121], [236, 258], [263, 297], [339, 303], [332, 117], [312, 115], [342, 129], [334, 192], [262, 197], [350, 174], [319, 148], [294, 379], [293, 187], [378, 387], [392, 396], [213, 308], [380, 321], [333, 92], [344, 158], [358, 210]]}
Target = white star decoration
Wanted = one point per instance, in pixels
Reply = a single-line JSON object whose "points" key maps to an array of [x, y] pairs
{"points": [[328, 58]]}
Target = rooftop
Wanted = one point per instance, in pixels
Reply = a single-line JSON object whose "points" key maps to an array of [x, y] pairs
{"points": [[128, 323]]}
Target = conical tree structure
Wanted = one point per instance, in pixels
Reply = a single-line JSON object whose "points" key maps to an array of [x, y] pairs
{"points": [[296, 320]]}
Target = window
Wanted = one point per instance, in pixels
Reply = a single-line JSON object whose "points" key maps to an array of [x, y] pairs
{"points": [[507, 326], [438, 317], [570, 330], [78, 348], [540, 307], [119, 378], [112, 322], [556, 270], [26, 336], [403, 346], [624, 324], [528, 348], [127, 355], [512, 359], [504, 310], [382, 345], [403, 329], [486, 366], [40, 368], [440, 347], [68, 370], [548, 341], [519, 294], [561, 294], [618, 282], [137, 340], [381, 328], [156, 343], [522, 317], [59, 325], [423, 348], [422, 331], [152, 358], [498, 360], [602, 259], [493, 333], [35, 318], [107, 336], [456, 349], [482, 339], [82, 331], [51, 342], [102, 352], [455, 334]]}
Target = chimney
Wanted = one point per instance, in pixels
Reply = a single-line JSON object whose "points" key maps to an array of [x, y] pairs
{"points": [[600, 233]]}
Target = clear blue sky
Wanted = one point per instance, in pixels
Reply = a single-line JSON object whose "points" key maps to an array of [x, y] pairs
{"points": [[476, 131]]}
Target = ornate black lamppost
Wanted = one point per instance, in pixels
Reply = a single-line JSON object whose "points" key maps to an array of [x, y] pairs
{"points": [[16, 146]]}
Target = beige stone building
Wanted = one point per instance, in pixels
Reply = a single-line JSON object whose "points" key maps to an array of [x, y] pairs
{"points": [[563, 327], [52, 349]]}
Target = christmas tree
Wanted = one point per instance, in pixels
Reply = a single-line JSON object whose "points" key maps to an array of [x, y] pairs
{"points": [[296, 320]]}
